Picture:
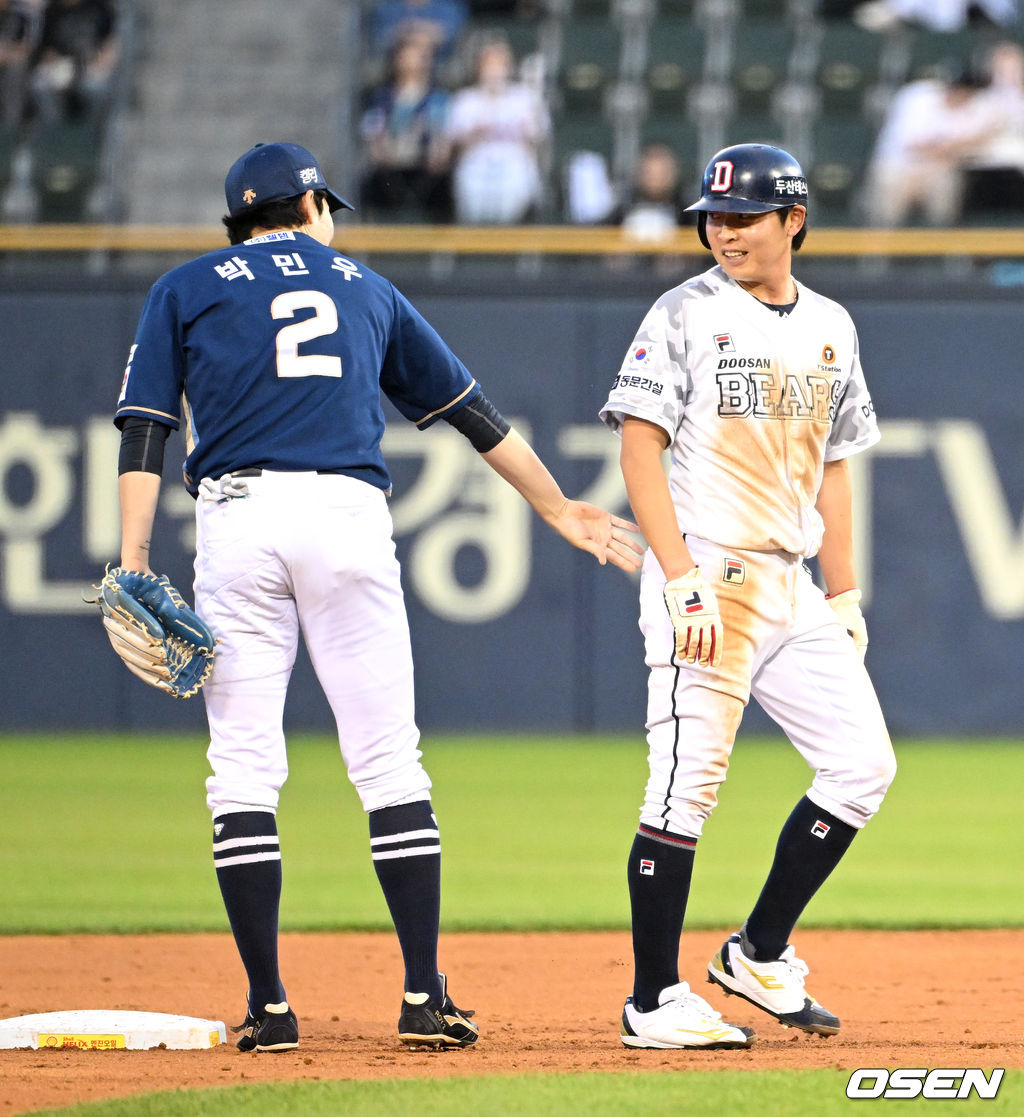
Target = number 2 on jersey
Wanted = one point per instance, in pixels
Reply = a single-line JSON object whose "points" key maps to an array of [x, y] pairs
{"points": [[289, 338]]}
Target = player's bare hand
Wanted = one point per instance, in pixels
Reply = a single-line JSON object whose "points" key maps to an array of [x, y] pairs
{"points": [[846, 606], [693, 607], [608, 538]]}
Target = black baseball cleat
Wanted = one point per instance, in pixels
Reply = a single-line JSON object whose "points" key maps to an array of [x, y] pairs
{"points": [[428, 1022], [276, 1029]]}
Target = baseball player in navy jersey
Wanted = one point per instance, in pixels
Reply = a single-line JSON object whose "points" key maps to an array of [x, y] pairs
{"points": [[273, 354], [754, 385]]}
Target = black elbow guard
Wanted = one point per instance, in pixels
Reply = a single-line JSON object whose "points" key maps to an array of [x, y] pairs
{"points": [[142, 446], [481, 422]]}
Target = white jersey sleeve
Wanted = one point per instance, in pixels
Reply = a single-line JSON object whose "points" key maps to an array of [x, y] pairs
{"points": [[652, 381], [753, 404]]}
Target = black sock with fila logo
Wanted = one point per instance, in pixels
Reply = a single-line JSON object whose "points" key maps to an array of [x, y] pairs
{"points": [[811, 844], [659, 870]]}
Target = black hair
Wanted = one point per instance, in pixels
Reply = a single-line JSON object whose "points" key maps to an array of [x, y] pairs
{"points": [[284, 213]]}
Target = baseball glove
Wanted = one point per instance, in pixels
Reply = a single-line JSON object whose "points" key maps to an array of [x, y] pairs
{"points": [[157, 635]]}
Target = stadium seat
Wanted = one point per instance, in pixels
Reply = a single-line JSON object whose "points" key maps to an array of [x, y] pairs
{"points": [[848, 65], [761, 52], [589, 63], [674, 63], [933, 53], [756, 128], [842, 149], [65, 167]]}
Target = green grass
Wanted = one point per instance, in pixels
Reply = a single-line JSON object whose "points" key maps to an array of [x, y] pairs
{"points": [[695, 1094], [112, 834]]}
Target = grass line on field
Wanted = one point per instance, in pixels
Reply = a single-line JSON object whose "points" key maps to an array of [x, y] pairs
{"points": [[695, 1093], [535, 833]]}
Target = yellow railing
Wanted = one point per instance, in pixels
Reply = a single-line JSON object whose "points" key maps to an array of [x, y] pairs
{"points": [[557, 240]]}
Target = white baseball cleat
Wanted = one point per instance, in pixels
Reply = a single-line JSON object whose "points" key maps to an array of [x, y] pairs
{"points": [[777, 987], [682, 1020]]}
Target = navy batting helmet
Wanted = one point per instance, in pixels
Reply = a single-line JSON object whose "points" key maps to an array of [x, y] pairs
{"points": [[749, 178]]}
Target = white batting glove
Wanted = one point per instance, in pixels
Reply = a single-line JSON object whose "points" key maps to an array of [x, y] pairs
{"points": [[846, 606], [693, 607]]}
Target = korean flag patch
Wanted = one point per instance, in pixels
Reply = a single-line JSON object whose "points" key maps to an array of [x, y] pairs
{"points": [[640, 355]]}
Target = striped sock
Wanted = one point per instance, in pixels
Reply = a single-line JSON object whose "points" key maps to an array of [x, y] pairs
{"points": [[406, 848], [247, 857]]}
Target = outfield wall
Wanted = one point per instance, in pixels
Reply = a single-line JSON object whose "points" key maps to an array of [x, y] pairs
{"points": [[511, 629]]}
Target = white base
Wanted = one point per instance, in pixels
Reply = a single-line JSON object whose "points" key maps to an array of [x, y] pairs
{"points": [[110, 1029]]}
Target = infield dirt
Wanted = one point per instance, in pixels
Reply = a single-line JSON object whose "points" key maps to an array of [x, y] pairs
{"points": [[544, 1002]]}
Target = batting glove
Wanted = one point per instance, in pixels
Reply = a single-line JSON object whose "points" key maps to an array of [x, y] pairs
{"points": [[846, 606], [694, 611]]}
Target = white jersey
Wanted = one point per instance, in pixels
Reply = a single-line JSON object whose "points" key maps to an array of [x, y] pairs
{"points": [[754, 404]]}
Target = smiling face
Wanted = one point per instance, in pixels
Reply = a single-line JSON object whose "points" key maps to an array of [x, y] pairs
{"points": [[756, 249]]}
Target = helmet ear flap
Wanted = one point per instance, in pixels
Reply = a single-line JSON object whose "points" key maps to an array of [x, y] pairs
{"points": [[702, 230]]}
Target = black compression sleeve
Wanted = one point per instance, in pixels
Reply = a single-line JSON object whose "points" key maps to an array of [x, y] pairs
{"points": [[481, 422], [142, 446]]}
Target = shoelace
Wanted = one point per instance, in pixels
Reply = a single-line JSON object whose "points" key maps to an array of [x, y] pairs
{"points": [[797, 965], [692, 1002]]}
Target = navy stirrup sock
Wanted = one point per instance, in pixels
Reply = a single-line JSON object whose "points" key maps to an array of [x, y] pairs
{"points": [[406, 848], [247, 857]]}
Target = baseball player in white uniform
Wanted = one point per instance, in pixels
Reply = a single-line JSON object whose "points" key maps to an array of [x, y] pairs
{"points": [[754, 384]]}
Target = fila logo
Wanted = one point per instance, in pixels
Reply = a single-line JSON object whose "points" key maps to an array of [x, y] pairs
{"points": [[646, 868], [722, 178], [693, 604], [820, 829], [723, 343], [735, 571]]}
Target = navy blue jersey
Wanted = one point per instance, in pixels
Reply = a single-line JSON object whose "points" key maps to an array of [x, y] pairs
{"points": [[276, 352]]}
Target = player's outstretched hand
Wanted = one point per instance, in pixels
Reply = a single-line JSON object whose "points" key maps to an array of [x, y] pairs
{"points": [[693, 607], [846, 606], [605, 536]]}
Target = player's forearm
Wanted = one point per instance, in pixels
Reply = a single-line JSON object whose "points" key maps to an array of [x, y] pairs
{"points": [[835, 506], [138, 492], [515, 460], [651, 499]]}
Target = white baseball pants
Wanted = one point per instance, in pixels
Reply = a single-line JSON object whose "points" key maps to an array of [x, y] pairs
{"points": [[783, 644], [309, 552]]}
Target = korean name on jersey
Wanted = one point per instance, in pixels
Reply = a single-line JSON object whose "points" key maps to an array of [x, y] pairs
{"points": [[276, 351]]}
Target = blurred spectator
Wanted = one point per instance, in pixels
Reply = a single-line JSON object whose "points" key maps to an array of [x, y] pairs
{"points": [[935, 15], [15, 42], [931, 129], [404, 128], [74, 60], [654, 207], [652, 210], [441, 21], [589, 196], [499, 128], [994, 176]]}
